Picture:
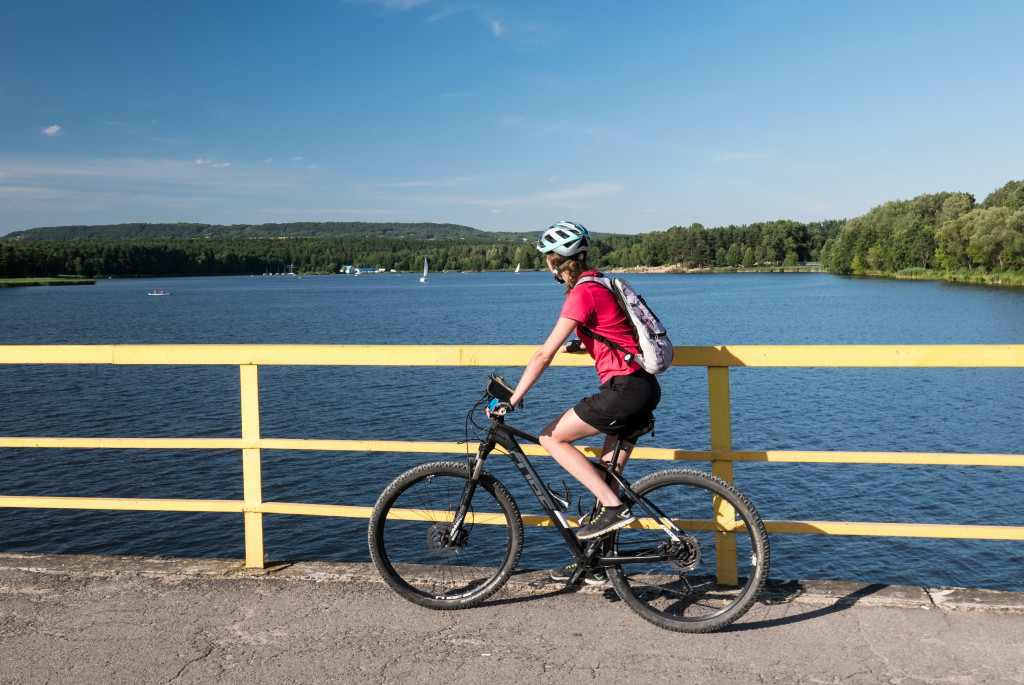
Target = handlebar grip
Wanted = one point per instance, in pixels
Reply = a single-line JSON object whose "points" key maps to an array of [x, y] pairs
{"points": [[496, 406]]}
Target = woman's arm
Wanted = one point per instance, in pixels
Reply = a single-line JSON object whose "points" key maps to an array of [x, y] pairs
{"points": [[541, 359]]}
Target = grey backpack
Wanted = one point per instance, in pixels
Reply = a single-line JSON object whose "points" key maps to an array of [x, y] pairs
{"points": [[655, 348]]}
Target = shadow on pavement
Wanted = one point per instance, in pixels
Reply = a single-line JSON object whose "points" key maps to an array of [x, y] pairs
{"points": [[789, 591]]}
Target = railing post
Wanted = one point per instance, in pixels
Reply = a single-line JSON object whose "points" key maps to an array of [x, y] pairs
{"points": [[252, 488], [721, 441]]}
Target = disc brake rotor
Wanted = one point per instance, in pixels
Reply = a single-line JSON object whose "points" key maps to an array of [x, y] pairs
{"points": [[685, 555], [439, 541]]}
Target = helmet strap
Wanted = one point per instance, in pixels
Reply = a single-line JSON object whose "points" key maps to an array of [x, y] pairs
{"points": [[578, 257], [565, 265]]}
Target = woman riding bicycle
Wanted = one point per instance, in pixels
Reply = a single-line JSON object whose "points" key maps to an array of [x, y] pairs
{"points": [[628, 394]]}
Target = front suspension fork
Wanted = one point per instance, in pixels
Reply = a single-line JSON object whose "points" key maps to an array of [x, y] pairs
{"points": [[476, 467]]}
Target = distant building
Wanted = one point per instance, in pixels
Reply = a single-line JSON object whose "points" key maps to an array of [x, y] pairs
{"points": [[350, 269]]}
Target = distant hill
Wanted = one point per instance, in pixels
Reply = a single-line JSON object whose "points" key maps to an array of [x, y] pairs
{"points": [[328, 229]]}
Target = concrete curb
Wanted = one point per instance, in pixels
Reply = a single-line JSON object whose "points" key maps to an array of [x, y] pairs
{"points": [[814, 592]]}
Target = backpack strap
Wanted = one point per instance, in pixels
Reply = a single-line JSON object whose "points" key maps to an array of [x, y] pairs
{"points": [[628, 358], [604, 282]]}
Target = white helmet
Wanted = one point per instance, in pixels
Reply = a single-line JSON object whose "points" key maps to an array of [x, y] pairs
{"points": [[566, 238]]}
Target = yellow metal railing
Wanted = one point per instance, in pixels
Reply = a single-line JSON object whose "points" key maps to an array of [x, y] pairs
{"points": [[721, 455]]}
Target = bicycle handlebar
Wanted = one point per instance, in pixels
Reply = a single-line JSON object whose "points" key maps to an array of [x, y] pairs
{"points": [[496, 406]]}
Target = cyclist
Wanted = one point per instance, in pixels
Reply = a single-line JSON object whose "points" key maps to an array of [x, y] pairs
{"points": [[628, 394]]}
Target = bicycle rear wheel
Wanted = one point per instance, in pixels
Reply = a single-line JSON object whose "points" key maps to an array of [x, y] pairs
{"points": [[683, 593], [412, 548]]}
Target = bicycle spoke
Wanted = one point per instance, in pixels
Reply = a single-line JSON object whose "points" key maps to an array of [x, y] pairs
{"points": [[412, 543], [682, 592]]}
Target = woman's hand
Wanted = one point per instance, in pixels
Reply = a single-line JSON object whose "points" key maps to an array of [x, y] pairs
{"points": [[498, 408]]}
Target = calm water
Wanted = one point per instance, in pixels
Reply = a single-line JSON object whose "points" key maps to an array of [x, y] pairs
{"points": [[912, 410]]}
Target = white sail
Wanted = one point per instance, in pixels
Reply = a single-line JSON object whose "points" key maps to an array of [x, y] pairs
{"points": [[517, 268], [424, 279]]}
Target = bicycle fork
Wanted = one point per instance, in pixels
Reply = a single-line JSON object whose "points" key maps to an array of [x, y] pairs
{"points": [[476, 467]]}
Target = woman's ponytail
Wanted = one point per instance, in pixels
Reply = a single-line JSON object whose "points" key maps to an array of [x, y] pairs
{"points": [[571, 268]]}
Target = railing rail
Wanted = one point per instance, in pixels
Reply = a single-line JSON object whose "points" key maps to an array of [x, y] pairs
{"points": [[717, 360]]}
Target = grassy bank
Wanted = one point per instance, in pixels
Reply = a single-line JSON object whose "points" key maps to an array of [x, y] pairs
{"points": [[1004, 278], [749, 270], [1000, 277], [53, 280]]}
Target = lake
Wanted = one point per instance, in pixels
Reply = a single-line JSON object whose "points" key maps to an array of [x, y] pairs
{"points": [[897, 410]]}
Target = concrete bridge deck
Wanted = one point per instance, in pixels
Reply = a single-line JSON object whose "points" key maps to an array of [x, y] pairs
{"points": [[138, 620]]}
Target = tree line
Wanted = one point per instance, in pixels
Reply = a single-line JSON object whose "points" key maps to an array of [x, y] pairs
{"points": [[695, 247], [944, 232], [947, 232]]}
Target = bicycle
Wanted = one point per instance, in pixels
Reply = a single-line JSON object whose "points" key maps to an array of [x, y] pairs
{"points": [[448, 535]]}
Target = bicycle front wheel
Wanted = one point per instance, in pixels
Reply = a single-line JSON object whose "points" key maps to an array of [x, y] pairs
{"points": [[682, 592], [412, 546]]}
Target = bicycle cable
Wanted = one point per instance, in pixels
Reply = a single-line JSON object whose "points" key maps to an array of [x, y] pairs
{"points": [[478, 430]]}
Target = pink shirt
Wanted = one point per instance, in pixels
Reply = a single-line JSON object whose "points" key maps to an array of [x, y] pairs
{"points": [[594, 306]]}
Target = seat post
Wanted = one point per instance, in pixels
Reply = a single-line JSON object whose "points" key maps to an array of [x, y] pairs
{"points": [[615, 454]]}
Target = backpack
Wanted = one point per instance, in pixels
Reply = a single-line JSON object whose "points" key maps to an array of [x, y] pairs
{"points": [[655, 348]]}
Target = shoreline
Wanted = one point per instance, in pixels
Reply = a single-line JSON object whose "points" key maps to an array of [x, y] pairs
{"points": [[46, 281]]}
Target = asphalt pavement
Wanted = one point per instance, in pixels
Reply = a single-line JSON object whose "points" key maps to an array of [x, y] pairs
{"points": [[91, 619]]}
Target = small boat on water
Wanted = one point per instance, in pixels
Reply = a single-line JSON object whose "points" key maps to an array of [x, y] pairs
{"points": [[517, 268], [157, 292], [424, 279]]}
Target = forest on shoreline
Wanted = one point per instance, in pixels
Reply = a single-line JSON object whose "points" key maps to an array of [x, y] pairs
{"points": [[942, 235]]}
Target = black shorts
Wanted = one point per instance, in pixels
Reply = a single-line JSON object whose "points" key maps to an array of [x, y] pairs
{"points": [[624, 406]]}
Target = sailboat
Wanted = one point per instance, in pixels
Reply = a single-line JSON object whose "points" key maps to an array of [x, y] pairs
{"points": [[517, 268], [424, 279]]}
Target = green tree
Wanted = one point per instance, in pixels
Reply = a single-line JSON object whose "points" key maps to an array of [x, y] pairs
{"points": [[733, 257], [992, 237], [1010, 196], [954, 238]]}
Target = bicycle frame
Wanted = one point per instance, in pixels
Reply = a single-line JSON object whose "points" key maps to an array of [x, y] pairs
{"points": [[595, 554]]}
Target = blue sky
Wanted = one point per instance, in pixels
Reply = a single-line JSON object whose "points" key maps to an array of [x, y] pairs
{"points": [[626, 117]]}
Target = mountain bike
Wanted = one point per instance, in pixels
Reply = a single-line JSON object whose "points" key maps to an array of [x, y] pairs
{"points": [[448, 535]]}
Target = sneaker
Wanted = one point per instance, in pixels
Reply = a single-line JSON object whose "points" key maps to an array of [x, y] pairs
{"points": [[607, 520], [596, 577]]}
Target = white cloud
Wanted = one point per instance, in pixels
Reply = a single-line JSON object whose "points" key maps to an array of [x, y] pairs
{"points": [[566, 197], [210, 162], [496, 28], [52, 131], [297, 159], [581, 192]]}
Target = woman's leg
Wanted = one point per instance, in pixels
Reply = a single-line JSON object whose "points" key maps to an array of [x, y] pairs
{"points": [[557, 438]]}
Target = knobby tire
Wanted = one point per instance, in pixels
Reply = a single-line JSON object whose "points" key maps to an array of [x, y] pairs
{"points": [[684, 594], [407, 537]]}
